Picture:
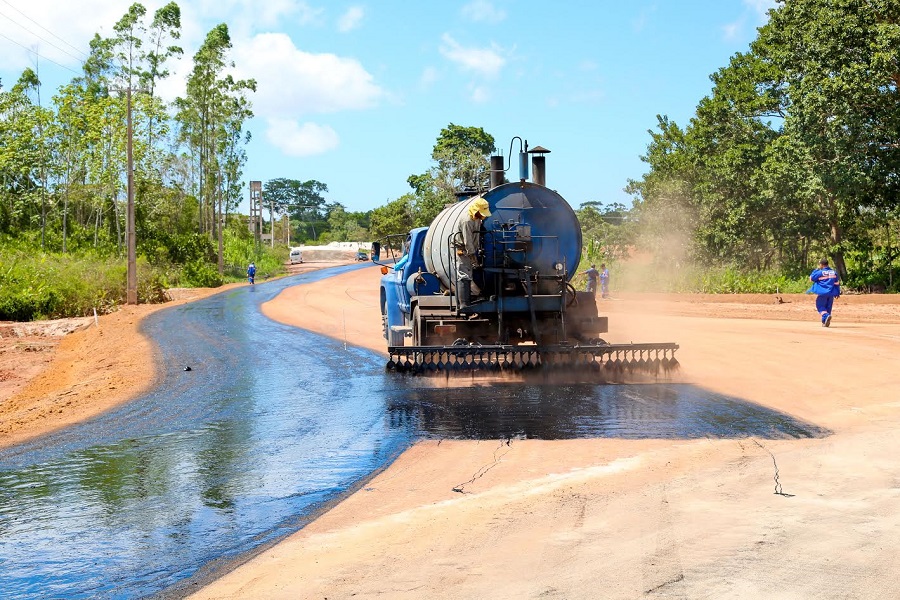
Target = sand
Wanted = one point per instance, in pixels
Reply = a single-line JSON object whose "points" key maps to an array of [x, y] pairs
{"points": [[602, 518]]}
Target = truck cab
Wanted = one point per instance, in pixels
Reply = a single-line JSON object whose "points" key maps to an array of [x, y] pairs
{"points": [[404, 281]]}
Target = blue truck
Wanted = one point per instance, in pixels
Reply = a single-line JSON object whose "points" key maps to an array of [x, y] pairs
{"points": [[527, 313]]}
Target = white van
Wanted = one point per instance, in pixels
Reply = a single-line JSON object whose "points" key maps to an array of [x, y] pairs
{"points": [[296, 256]]}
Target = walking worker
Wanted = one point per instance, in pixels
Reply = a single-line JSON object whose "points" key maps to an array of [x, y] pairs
{"points": [[469, 229], [604, 281], [826, 286], [251, 273], [593, 277]]}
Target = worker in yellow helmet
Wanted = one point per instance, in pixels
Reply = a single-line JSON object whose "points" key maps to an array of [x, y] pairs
{"points": [[468, 244]]}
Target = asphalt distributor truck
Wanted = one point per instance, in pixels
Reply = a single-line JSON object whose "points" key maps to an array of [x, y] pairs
{"points": [[509, 305]]}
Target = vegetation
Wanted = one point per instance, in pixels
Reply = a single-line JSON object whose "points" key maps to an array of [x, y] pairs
{"points": [[63, 169], [462, 164], [793, 155]]}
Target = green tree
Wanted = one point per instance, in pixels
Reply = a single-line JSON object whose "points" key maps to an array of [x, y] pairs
{"points": [[836, 66], [302, 200], [211, 117], [395, 218]]}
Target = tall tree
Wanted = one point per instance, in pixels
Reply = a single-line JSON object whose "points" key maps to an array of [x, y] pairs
{"points": [[837, 64], [211, 116]]}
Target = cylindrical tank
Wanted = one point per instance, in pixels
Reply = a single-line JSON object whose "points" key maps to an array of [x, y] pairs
{"points": [[530, 226]]}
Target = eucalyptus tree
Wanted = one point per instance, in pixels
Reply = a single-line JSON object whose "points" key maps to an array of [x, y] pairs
{"points": [[211, 117], [23, 156], [165, 28]]}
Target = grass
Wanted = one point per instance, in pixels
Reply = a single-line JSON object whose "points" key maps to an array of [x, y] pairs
{"points": [[631, 277]]}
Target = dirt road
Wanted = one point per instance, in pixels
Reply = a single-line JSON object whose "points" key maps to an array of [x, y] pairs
{"points": [[611, 518]]}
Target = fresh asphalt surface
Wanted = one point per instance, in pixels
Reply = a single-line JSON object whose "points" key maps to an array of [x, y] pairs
{"points": [[268, 426]]}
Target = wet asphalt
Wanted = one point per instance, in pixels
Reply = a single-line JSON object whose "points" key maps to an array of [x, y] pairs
{"points": [[271, 425]]}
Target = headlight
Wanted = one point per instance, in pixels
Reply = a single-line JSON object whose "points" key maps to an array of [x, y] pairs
{"points": [[559, 267]]}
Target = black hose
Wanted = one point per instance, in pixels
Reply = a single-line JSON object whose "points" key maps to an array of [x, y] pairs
{"points": [[574, 299]]}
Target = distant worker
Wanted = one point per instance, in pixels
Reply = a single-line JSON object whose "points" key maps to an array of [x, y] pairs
{"points": [[827, 286], [604, 281], [593, 275], [251, 273], [467, 246]]}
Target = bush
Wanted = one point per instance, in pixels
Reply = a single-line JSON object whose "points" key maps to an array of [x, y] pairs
{"points": [[201, 274], [35, 285], [712, 280]]}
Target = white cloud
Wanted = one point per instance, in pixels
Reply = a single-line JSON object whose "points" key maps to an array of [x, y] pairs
{"points": [[640, 22], [351, 19], [428, 78], [483, 11], [291, 81], [252, 15], [58, 31], [480, 94], [485, 61], [731, 31], [296, 139]]}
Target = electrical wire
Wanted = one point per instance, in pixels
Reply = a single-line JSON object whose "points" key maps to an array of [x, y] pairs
{"points": [[45, 29], [39, 55]]}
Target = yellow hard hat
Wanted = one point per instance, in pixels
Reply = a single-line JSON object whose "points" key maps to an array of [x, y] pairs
{"points": [[479, 205]]}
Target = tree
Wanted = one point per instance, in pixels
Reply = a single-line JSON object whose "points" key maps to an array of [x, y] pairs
{"points": [[462, 157], [344, 226], [211, 116], [302, 200], [836, 68], [461, 166], [395, 218]]}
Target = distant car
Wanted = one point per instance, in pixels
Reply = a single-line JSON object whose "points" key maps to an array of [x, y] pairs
{"points": [[360, 255], [296, 256]]}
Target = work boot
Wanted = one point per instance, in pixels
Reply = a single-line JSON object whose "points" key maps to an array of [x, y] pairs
{"points": [[827, 322]]}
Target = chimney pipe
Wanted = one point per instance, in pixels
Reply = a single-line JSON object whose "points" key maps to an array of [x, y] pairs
{"points": [[538, 164], [539, 173], [496, 171]]}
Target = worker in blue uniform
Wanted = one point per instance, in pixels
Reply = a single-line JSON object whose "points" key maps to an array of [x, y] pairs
{"points": [[604, 281], [827, 286], [593, 275]]}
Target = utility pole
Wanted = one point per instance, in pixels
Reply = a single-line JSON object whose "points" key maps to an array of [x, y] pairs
{"points": [[256, 211], [131, 289], [272, 222]]}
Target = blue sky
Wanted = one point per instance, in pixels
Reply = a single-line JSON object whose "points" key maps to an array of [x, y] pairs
{"points": [[354, 94]]}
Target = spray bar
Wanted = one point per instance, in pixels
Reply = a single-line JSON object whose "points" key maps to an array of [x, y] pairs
{"points": [[612, 359]]}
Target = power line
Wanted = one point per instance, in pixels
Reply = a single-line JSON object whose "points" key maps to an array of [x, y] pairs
{"points": [[67, 53], [36, 52], [44, 28]]}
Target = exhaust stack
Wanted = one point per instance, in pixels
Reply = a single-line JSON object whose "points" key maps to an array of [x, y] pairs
{"points": [[496, 171], [538, 165]]}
